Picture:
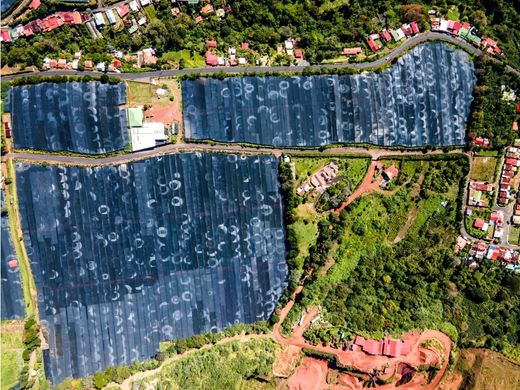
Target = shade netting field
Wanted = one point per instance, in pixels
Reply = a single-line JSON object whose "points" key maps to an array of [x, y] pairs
{"points": [[12, 304], [127, 256], [75, 116], [423, 99]]}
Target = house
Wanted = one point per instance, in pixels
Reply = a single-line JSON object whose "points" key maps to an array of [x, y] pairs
{"points": [[110, 16], [397, 34], [35, 4], [460, 244], [232, 51], [198, 19], [242, 61], [144, 3], [99, 19], [207, 9], [244, 46], [122, 10], [147, 136], [134, 7], [212, 44], [100, 66], [220, 13], [359, 341], [148, 56], [386, 35], [390, 173], [27, 30], [88, 64], [62, 63], [480, 141], [407, 29], [373, 45], [481, 224], [75, 64], [456, 28], [351, 51], [6, 37], [176, 11], [415, 27], [325, 175], [116, 63], [373, 347], [211, 59], [51, 22], [53, 64], [298, 53]]}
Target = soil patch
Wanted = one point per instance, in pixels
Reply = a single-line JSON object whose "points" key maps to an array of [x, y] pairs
{"points": [[311, 375], [286, 361]]}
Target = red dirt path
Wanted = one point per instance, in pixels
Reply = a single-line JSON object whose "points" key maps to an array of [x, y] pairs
{"points": [[366, 187]]}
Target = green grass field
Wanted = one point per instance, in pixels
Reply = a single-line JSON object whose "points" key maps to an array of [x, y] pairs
{"points": [[354, 168], [483, 169], [12, 362], [140, 93], [193, 60], [233, 365]]}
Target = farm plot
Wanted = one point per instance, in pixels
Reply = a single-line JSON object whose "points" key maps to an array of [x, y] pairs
{"points": [[127, 256], [12, 304], [75, 117], [424, 99]]}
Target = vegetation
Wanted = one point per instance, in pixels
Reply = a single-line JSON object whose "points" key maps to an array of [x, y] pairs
{"points": [[225, 366], [11, 355], [376, 287], [491, 115], [322, 28]]}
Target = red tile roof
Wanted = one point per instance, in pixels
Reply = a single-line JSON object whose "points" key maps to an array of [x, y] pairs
{"points": [[348, 51], [479, 223], [198, 19], [211, 59], [373, 45], [415, 27], [391, 172], [35, 4], [12, 263], [27, 30], [211, 44], [122, 10], [456, 27], [298, 53], [386, 35], [244, 46], [6, 37], [51, 22], [373, 347], [392, 348], [360, 340], [116, 63]]}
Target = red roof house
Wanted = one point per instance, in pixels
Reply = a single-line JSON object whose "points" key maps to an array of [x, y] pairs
{"points": [[34, 4], [386, 35], [373, 45], [6, 37], [212, 44], [350, 51], [211, 59], [495, 216], [244, 46], [116, 63], [51, 22], [466, 25], [456, 27], [481, 141], [122, 10], [373, 347], [360, 340], [391, 347], [298, 53], [53, 63], [479, 223], [390, 172], [27, 30], [198, 19], [415, 27]]}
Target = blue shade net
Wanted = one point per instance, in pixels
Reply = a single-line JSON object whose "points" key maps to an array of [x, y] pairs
{"points": [[12, 304], [423, 99], [130, 255], [74, 116]]}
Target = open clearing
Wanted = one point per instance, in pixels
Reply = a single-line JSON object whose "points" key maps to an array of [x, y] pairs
{"points": [[11, 352], [483, 169]]}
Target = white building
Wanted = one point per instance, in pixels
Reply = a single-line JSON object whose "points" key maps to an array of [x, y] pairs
{"points": [[148, 136], [111, 17], [133, 6], [99, 19]]}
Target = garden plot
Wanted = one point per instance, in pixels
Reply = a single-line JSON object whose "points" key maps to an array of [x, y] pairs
{"points": [[423, 99], [73, 116], [127, 256]]}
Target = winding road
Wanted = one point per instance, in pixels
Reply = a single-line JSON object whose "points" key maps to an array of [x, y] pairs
{"points": [[426, 36]]}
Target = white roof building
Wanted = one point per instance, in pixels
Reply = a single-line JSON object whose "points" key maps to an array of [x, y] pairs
{"points": [[110, 16], [134, 7], [145, 2], [148, 136], [99, 19], [399, 33], [289, 45], [141, 21]]}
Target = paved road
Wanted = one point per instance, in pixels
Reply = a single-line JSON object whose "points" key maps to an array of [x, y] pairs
{"points": [[277, 69], [50, 158]]}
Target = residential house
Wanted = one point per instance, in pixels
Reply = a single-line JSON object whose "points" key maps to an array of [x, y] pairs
{"points": [[390, 173], [99, 19], [207, 9], [110, 16], [386, 35], [212, 44], [211, 59], [351, 51], [35, 4], [480, 141], [123, 10]]}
